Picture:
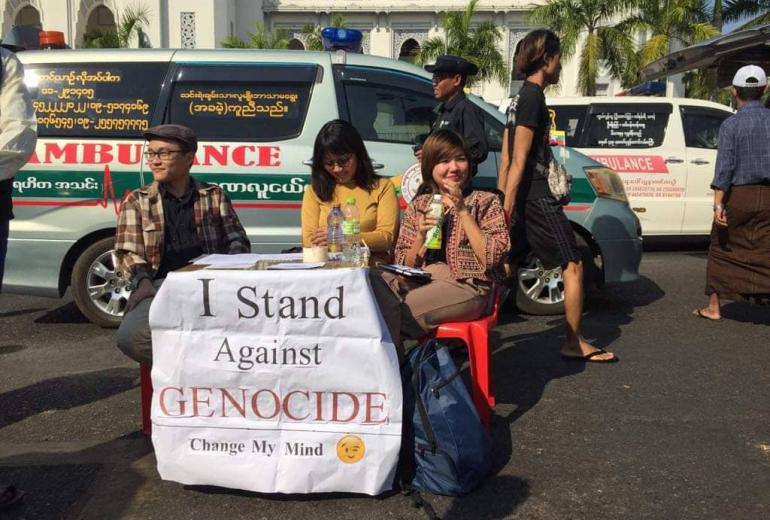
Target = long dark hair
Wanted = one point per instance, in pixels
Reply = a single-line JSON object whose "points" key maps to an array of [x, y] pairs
{"points": [[439, 146], [338, 137], [534, 49]]}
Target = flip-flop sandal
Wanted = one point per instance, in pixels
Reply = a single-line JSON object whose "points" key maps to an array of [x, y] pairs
{"points": [[590, 358], [11, 497], [699, 313]]}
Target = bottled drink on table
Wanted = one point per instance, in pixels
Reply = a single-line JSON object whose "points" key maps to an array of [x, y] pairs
{"points": [[351, 230], [433, 237], [334, 229]]}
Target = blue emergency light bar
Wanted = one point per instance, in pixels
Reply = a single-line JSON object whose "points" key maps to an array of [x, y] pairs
{"points": [[339, 38], [648, 88]]}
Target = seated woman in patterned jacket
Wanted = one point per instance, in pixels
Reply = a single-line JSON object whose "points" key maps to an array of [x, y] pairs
{"points": [[474, 238]]}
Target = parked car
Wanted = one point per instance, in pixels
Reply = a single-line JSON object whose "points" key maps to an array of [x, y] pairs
{"points": [[663, 148], [256, 114]]}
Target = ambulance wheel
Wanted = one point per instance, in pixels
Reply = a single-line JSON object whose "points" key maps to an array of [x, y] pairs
{"points": [[100, 292], [540, 291]]}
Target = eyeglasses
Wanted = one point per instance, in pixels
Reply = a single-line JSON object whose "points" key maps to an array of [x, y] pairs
{"points": [[165, 155], [340, 161]]}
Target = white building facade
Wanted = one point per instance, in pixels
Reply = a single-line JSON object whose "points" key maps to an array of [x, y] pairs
{"points": [[392, 29]]}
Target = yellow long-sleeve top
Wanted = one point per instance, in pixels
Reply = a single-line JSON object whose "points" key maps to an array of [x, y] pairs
{"points": [[378, 211]]}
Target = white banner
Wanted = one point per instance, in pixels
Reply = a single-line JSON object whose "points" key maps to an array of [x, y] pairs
{"points": [[274, 381]]}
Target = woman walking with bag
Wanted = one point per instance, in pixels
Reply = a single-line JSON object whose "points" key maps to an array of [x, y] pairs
{"points": [[537, 216]]}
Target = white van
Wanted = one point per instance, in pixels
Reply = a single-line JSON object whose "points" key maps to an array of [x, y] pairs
{"points": [[664, 149], [256, 114]]}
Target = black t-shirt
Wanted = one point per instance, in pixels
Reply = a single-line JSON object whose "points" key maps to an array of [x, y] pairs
{"points": [[531, 111]]}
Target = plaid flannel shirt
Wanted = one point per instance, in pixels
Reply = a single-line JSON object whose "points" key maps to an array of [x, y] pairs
{"points": [[140, 234]]}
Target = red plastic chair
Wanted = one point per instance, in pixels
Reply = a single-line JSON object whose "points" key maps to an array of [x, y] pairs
{"points": [[475, 335], [146, 397]]}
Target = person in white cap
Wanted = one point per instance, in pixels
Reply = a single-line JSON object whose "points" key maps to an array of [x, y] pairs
{"points": [[738, 262]]}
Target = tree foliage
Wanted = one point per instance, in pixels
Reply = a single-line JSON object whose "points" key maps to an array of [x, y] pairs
{"points": [[757, 11], [259, 39], [591, 22], [477, 44], [130, 26], [312, 32]]}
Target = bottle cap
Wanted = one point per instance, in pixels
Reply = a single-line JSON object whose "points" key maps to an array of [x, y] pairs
{"points": [[436, 197], [350, 200]]}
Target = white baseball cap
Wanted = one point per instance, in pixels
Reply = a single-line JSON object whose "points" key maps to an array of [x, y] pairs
{"points": [[750, 76]]}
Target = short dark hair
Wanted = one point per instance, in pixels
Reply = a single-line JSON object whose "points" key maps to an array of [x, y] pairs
{"points": [[749, 93], [339, 137], [535, 48], [439, 146]]}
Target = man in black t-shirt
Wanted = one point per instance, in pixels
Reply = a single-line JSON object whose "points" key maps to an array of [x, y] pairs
{"points": [[457, 112], [539, 222], [528, 109]]}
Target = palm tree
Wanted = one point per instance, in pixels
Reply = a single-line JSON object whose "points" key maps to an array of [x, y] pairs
{"points": [[757, 10], [312, 32], [666, 22], [132, 21], [259, 39], [604, 43], [477, 45]]}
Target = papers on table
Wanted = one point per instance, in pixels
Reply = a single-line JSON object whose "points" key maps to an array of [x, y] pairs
{"points": [[297, 265], [243, 260]]}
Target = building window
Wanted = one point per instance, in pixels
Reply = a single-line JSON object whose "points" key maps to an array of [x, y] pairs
{"points": [[187, 29], [101, 20], [409, 50], [28, 15]]}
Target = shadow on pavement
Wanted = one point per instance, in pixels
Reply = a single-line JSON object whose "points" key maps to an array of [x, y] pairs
{"points": [[746, 312], [63, 485], [20, 312], [67, 313], [10, 349], [62, 393], [525, 363]]}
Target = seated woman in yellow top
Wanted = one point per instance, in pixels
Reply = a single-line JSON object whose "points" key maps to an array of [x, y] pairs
{"points": [[341, 169]]}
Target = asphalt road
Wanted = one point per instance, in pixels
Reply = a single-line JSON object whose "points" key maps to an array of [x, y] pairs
{"points": [[680, 428]]}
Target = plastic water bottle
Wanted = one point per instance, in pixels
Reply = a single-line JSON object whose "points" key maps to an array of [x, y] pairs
{"points": [[334, 236], [351, 229], [433, 238]]}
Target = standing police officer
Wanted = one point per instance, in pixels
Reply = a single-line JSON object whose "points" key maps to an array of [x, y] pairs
{"points": [[456, 112]]}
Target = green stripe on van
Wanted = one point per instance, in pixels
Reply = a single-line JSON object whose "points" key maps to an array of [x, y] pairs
{"points": [[47, 184], [582, 191]]}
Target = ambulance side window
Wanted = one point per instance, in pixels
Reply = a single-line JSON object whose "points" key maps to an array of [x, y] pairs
{"points": [[701, 126], [387, 113], [569, 119], [626, 125], [233, 103], [94, 99]]}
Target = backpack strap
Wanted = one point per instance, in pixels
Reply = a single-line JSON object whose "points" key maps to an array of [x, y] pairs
{"points": [[420, 404]]}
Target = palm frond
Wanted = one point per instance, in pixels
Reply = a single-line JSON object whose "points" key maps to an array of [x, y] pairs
{"points": [[736, 10], [588, 67], [132, 20]]}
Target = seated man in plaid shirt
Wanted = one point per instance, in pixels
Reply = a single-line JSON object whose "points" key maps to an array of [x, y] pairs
{"points": [[164, 225]]}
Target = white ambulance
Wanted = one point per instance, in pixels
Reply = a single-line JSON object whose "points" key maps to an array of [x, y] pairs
{"points": [[664, 149]]}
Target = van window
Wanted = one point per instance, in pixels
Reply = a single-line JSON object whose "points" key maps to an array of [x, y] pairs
{"points": [[626, 125], [231, 103], [385, 113], [94, 100], [569, 119], [701, 126], [494, 130]]}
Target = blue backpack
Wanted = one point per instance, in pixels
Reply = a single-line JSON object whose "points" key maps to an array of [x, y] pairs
{"points": [[450, 448]]}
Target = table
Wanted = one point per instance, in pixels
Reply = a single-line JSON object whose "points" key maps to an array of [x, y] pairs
{"points": [[274, 381]]}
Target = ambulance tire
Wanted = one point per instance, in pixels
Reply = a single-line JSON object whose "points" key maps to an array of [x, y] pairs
{"points": [[540, 292], [99, 291]]}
